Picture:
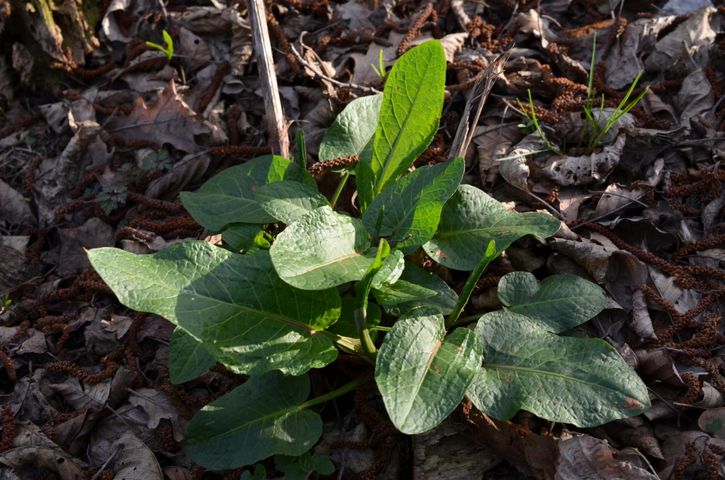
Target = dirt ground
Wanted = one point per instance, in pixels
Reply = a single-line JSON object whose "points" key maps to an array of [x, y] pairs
{"points": [[99, 133]]}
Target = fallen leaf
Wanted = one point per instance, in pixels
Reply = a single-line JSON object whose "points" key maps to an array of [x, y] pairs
{"points": [[133, 460], [583, 456], [33, 453], [14, 209], [74, 241], [690, 40], [168, 121]]}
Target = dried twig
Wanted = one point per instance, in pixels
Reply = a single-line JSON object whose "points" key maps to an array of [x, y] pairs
{"points": [[322, 76], [474, 106], [276, 123]]}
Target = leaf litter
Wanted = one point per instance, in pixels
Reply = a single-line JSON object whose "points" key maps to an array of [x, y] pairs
{"points": [[97, 140]]}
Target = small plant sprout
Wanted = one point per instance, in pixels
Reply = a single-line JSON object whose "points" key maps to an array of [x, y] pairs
{"points": [[380, 70], [298, 283], [596, 131], [168, 48]]}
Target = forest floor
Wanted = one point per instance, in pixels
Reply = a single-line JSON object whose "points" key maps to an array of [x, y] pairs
{"points": [[100, 132]]}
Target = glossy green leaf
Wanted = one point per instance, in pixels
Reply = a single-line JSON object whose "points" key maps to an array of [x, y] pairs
{"points": [[559, 302], [391, 269], [582, 381], [422, 374], [416, 288], [353, 128], [228, 197], [187, 357], [411, 207], [264, 416], [323, 249], [236, 305], [411, 110], [287, 201], [471, 219]]}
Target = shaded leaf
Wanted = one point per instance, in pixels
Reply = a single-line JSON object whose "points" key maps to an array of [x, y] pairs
{"points": [[260, 418], [229, 197], [236, 305], [353, 128], [410, 209], [416, 288], [559, 302], [471, 219], [187, 357], [582, 381], [422, 374], [323, 249]]}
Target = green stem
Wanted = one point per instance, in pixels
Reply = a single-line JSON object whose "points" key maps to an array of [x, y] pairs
{"points": [[348, 387], [362, 292], [470, 284], [338, 190]]}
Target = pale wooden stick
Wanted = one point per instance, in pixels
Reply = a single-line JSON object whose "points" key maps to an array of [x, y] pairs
{"points": [[276, 123]]}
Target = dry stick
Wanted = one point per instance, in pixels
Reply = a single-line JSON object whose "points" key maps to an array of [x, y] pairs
{"points": [[276, 124], [474, 106]]}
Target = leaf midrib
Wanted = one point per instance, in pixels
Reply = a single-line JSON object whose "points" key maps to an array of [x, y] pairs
{"points": [[546, 373], [386, 164]]}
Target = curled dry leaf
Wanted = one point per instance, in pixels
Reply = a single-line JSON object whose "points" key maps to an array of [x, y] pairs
{"points": [[691, 39], [585, 169]]}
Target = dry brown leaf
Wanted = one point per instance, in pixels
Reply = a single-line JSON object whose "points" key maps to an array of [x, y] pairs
{"points": [[621, 272], [691, 39], [168, 121], [13, 207], [188, 170], [696, 98], [93, 233], [133, 460], [585, 169], [156, 404], [583, 456], [33, 453]]}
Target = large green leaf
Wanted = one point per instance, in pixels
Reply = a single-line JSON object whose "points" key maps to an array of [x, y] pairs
{"points": [[582, 381], [236, 305], [422, 374], [323, 249], [471, 219], [353, 128], [411, 109], [187, 357], [287, 201], [409, 211], [264, 416], [559, 302], [416, 288], [228, 197]]}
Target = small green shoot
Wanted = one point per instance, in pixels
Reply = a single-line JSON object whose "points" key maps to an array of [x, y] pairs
{"points": [[380, 71], [168, 49], [595, 130]]}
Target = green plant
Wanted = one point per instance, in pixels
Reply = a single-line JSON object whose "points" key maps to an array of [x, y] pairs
{"points": [[595, 131], [598, 122], [168, 47], [330, 283]]}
